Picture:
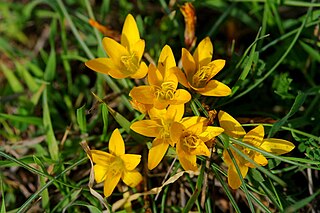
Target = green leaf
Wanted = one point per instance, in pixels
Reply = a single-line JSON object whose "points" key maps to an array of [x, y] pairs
{"points": [[14, 83], [105, 114], [23, 119], [51, 139], [3, 205], [256, 175], [299, 204], [50, 70], [81, 118], [301, 97], [281, 84], [314, 53]]}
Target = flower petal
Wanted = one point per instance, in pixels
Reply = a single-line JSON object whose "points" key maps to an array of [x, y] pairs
{"points": [[188, 162], [230, 125], [214, 88], [130, 33], [116, 143], [217, 67], [255, 136], [181, 77], [277, 146], [131, 161], [189, 121], [203, 53], [111, 181], [234, 180], [138, 49], [181, 96], [166, 60], [149, 128], [260, 159], [114, 50], [132, 178], [143, 94], [101, 65], [100, 172], [175, 131], [157, 152], [210, 132], [201, 149], [102, 158], [175, 112], [188, 63], [141, 72], [154, 76]]}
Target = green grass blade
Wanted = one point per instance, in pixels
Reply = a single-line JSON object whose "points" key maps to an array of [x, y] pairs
{"points": [[51, 139], [3, 205], [105, 119], [299, 100], [299, 204], [23, 119], [81, 118], [14, 83]]}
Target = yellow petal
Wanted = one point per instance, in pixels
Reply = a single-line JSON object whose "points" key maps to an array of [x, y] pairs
{"points": [[175, 112], [255, 136], [130, 161], [102, 158], [116, 143], [175, 131], [226, 157], [210, 132], [138, 49], [181, 77], [234, 180], [149, 128], [117, 73], [100, 172], [217, 67], [189, 121], [130, 33], [277, 146], [230, 125], [132, 178], [214, 88], [101, 65], [154, 76], [143, 94], [188, 63], [114, 50], [196, 129], [203, 53], [110, 183], [260, 159], [181, 96], [141, 72], [201, 149], [160, 104], [188, 162], [166, 59], [157, 152]]}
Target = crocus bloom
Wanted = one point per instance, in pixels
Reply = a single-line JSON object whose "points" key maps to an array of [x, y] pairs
{"points": [[190, 19], [125, 58], [110, 167], [162, 89], [159, 126], [199, 70], [190, 136], [255, 137]]}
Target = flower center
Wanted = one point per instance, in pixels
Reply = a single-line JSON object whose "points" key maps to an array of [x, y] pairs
{"points": [[190, 142], [130, 62], [117, 166], [166, 91], [203, 75]]}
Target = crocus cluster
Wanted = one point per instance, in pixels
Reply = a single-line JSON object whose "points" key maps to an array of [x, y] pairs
{"points": [[163, 101]]}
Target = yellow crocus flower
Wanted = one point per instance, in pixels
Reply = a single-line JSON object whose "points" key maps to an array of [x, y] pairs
{"points": [[125, 58], [254, 137], [159, 126], [162, 89], [190, 136], [199, 71], [110, 167]]}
